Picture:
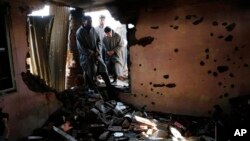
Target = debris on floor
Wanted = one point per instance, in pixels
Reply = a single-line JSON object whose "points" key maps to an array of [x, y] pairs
{"points": [[86, 116]]}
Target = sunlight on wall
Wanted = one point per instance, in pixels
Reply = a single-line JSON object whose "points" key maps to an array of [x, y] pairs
{"points": [[41, 12], [110, 21]]}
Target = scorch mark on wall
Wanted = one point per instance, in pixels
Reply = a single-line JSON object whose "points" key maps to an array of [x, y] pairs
{"points": [[145, 41], [154, 27]]}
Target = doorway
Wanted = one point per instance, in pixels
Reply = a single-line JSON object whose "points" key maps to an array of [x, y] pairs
{"points": [[120, 29]]}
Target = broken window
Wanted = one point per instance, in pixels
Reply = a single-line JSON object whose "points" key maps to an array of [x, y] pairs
{"points": [[47, 37]]}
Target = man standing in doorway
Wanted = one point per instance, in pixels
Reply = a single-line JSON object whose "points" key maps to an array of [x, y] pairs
{"points": [[113, 44], [100, 31], [88, 45]]}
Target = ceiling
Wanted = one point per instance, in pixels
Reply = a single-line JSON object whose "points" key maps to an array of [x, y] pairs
{"points": [[123, 10], [84, 4]]}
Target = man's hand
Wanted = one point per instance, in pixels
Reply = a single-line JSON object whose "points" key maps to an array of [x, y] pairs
{"points": [[110, 53]]}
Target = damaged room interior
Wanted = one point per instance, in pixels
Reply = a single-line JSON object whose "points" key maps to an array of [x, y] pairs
{"points": [[124, 70]]}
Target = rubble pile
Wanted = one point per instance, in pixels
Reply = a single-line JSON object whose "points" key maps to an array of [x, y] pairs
{"points": [[86, 116]]}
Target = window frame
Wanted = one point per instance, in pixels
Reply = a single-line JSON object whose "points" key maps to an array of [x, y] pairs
{"points": [[9, 50]]}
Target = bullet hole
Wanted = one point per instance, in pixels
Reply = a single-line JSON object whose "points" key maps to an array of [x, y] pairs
{"points": [[139, 65], [153, 103], [135, 95], [224, 24], [231, 75], [176, 50], [239, 67], [232, 85], [225, 87], [228, 59], [161, 94], [152, 89], [215, 74], [171, 26], [166, 76], [158, 93], [145, 41], [150, 83], [141, 94], [220, 37], [246, 65], [230, 27], [211, 34], [171, 85], [176, 27], [236, 48], [146, 96], [188, 17], [154, 27], [226, 95], [207, 56], [198, 21], [241, 58], [154, 69], [207, 50], [158, 85], [176, 18], [215, 60], [229, 38], [141, 84], [209, 72], [221, 96], [222, 69], [234, 63], [215, 23], [219, 83], [202, 63]]}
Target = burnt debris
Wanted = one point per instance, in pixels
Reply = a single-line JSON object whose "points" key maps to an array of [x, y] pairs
{"points": [[86, 116]]}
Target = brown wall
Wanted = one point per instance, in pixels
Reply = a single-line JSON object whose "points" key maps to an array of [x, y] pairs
{"points": [[27, 110], [177, 51]]}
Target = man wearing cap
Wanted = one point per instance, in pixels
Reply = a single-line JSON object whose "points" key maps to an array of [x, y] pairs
{"points": [[113, 44], [88, 45]]}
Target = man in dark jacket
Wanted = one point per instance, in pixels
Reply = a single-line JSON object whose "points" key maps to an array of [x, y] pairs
{"points": [[88, 45]]}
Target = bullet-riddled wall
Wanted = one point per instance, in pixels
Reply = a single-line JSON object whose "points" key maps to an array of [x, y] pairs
{"points": [[199, 57]]}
